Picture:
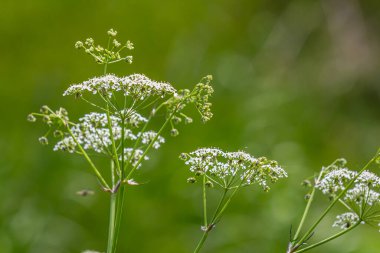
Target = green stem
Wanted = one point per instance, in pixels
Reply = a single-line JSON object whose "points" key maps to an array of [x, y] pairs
{"points": [[202, 241], [219, 215], [205, 224], [327, 239], [307, 208], [111, 225], [149, 146]]}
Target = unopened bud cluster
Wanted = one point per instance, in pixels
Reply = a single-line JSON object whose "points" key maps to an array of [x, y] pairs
{"points": [[104, 55], [54, 119]]}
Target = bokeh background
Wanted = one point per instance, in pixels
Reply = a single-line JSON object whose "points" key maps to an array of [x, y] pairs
{"points": [[295, 80]]}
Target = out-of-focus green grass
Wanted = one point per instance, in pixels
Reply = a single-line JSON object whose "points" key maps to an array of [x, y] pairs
{"points": [[297, 81]]}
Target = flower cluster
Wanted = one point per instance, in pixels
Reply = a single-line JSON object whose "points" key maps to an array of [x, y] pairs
{"points": [[233, 169], [346, 220], [137, 86], [361, 195], [104, 55], [93, 133]]}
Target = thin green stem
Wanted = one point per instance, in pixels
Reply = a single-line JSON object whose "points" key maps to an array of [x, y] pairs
{"points": [[114, 150], [219, 215], [307, 208], [205, 224], [150, 145], [202, 241], [111, 225], [328, 239]]}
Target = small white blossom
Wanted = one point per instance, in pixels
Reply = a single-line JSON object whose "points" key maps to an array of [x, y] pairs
{"points": [[137, 154], [346, 220], [148, 137]]}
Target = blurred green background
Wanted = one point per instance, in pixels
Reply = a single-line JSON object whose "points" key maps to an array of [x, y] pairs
{"points": [[295, 80]]}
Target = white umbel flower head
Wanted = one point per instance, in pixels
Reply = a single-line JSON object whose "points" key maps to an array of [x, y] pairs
{"points": [[93, 133], [137, 86], [335, 180], [231, 169]]}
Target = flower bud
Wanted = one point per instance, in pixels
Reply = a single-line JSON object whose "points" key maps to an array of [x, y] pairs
{"points": [[174, 132], [129, 45], [199, 173], [306, 183], [129, 59], [112, 32], [31, 118], [44, 109], [78, 44], [183, 156], [116, 43], [188, 120], [43, 140], [89, 42], [209, 184], [191, 180], [58, 133]]}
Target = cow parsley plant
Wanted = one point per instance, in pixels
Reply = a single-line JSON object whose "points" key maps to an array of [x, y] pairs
{"points": [[119, 127], [229, 172]]}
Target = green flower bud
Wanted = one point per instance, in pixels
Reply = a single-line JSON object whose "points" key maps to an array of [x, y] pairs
{"points": [[129, 45], [183, 156], [199, 173], [112, 32], [129, 59], [58, 133], [44, 109], [306, 183], [188, 120], [116, 43], [176, 120], [78, 44], [174, 132], [31, 118], [43, 140], [89, 42], [191, 180], [209, 184]]}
